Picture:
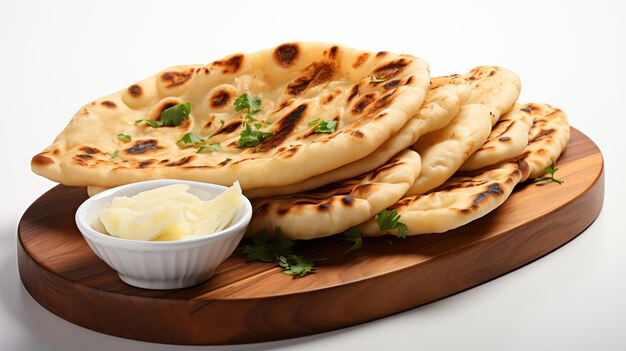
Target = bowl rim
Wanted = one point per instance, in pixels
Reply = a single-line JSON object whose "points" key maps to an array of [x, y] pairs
{"points": [[86, 229]]}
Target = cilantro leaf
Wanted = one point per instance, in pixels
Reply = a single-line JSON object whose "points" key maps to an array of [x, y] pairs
{"points": [[268, 250], [550, 170], [353, 235], [402, 230], [152, 123], [250, 137], [222, 122], [377, 80], [250, 117], [390, 220], [326, 127], [314, 122], [278, 249], [260, 250], [296, 265], [124, 137], [114, 153], [282, 245], [249, 102], [213, 147], [175, 115], [191, 138]]}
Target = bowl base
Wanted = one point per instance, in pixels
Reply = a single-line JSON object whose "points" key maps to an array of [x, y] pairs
{"points": [[162, 284]]}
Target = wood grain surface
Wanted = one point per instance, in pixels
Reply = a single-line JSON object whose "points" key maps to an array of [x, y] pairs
{"points": [[255, 302]]}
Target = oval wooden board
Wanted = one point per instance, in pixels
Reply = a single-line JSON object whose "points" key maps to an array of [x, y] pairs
{"points": [[255, 302]]}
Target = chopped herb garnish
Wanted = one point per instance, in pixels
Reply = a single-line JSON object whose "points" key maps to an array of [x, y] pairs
{"points": [[227, 160], [114, 153], [296, 265], [213, 147], [249, 102], [326, 127], [323, 127], [170, 117], [390, 220], [550, 170], [353, 235], [124, 137], [152, 123], [190, 138], [268, 250], [278, 249], [251, 137], [175, 115], [258, 149], [250, 117], [314, 122], [222, 121], [377, 80]]}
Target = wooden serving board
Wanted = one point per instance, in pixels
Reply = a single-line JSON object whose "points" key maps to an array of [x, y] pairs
{"points": [[255, 302]]}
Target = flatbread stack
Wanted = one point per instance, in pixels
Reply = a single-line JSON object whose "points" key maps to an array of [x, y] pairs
{"points": [[323, 138]]}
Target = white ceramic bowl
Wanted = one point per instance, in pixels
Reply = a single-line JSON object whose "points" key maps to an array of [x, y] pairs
{"points": [[162, 264]]}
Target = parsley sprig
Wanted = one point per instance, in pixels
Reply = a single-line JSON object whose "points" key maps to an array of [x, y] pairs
{"points": [[249, 102], [296, 265], [323, 127], [550, 170], [191, 138], [278, 249], [353, 235], [251, 137], [124, 137], [390, 220], [215, 147], [170, 117]]}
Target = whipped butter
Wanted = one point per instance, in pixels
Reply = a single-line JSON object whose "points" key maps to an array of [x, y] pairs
{"points": [[170, 213]]}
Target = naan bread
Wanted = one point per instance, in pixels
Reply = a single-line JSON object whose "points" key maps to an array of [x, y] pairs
{"points": [[467, 197], [457, 202], [443, 101], [337, 206], [547, 137], [507, 139], [444, 150], [495, 87], [494, 92], [296, 82]]}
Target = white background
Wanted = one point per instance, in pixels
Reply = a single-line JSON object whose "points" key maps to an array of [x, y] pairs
{"points": [[55, 56]]}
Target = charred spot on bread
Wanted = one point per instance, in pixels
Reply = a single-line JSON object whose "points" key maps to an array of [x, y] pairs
{"points": [[360, 60], [180, 162], [41, 160], [230, 65], [89, 150], [143, 146], [229, 128], [314, 74], [174, 79], [135, 90], [109, 104], [284, 127], [363, 102], [286, 54], [220, 98]]}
